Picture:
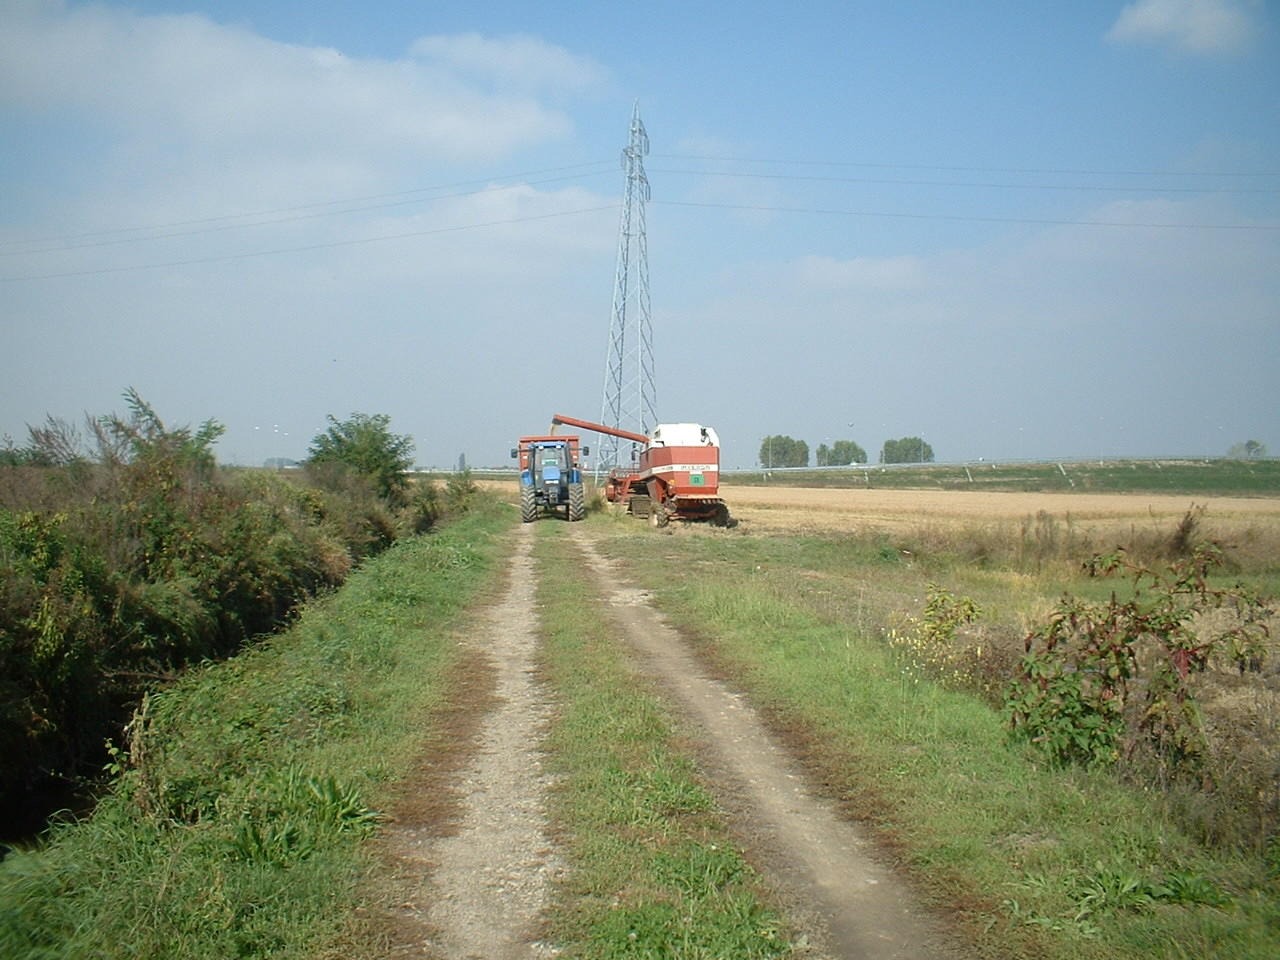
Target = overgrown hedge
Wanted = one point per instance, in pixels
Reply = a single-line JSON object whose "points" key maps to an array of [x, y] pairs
{"points": [[118, 569]]}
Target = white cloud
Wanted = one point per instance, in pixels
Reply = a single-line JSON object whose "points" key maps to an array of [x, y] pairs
{"points": [[516, 62], [1200, 27], [186, 76]]}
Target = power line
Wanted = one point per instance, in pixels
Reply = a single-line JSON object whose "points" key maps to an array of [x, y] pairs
{"points": [[490, 187], [943, 216], [304, 249], [975, 169], [577, 171], [955, 183], [278, 215]]}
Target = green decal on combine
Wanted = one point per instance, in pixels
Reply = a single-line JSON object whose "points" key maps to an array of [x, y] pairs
{"points": [[695, 480]]}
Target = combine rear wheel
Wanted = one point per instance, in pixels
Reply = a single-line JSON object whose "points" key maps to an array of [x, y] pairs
{"points": [[528, 505], [577, 502]]}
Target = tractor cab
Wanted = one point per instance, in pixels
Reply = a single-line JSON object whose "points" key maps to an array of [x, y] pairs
{"points": [[550, 476]]}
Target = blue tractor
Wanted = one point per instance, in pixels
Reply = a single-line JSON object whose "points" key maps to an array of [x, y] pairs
{"points": [[551, 477]]}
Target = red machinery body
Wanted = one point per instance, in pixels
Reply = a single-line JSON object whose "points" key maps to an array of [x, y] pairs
{"points": [[676, 476]]}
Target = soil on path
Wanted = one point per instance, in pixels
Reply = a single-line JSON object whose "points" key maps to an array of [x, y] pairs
{"points": [[480, 871], [485, 867], [823, 868]]}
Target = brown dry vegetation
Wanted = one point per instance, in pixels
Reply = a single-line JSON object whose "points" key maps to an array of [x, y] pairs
{"points": [[810, 509]]}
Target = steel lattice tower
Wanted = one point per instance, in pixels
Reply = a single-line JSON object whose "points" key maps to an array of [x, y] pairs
{"points": [[629, 401]]}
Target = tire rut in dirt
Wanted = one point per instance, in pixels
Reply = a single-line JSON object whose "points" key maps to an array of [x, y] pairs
{"points": [[487, 883], [823, 868]]}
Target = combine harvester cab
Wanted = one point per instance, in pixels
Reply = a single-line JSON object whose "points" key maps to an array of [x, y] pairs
{"points": [[551, 477], [677, 476]]}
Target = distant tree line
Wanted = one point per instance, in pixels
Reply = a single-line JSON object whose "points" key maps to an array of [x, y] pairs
{"points": [[906, 450], [1249, 450], [783, 451], [780, 451]]}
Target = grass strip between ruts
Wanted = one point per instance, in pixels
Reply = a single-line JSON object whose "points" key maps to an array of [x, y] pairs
{"points": [[652, 871]]}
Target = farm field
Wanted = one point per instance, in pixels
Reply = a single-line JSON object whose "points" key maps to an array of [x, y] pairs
{"points": [[770, 508]]}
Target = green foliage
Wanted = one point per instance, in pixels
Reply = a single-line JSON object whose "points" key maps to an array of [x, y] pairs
{"points": [[460, 492], [425, 505], [10, 455], [1080, 669], [243, 791], [780, 451], [126, 559], [1249, 450], [906, 450], [365, 445], [839, 454], [928, 645], [147, 440], [1116, 888]]}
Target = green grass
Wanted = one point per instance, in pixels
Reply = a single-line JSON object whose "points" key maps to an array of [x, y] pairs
{"points": [[244, 802], [1030, 860], [654, 872], [237, 820]]}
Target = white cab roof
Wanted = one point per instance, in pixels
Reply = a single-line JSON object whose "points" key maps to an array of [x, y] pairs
{"points": [[683, 435]]}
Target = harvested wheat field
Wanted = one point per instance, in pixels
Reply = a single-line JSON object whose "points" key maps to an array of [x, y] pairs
{"points": [[810, 509]]}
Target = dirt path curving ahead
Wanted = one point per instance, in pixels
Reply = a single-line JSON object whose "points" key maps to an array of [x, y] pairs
{"points": [[483, 880]]}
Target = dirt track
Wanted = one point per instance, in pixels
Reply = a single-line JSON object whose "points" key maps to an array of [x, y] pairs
{"points": [[479, 874], [838, 890]]}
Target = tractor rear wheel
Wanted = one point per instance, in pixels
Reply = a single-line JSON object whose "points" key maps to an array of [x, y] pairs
{"points": [[528, 505], [577, 502]]}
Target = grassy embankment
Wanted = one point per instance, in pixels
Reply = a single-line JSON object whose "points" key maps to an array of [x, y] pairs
{"points": [[654, 872], [1031, 860], [237, 817]]}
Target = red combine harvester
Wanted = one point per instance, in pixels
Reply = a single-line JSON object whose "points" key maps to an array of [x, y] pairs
{"points": [[676, 476]]}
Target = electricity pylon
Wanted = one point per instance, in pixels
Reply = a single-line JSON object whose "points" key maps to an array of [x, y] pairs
{"points": [[629, 401]]}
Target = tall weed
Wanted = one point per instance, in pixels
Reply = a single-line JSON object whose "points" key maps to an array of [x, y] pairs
{"points": [[128, 556]]}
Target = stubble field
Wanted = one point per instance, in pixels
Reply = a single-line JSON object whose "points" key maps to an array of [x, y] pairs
{"points": [[767, 509]]}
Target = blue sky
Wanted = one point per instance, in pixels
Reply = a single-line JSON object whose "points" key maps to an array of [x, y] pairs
{"points": [[1015, 229]]}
